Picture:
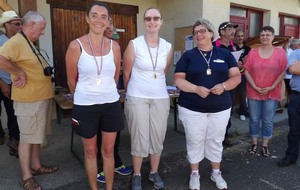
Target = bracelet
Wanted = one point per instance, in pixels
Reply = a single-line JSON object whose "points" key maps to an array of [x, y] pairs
{"points": [[223, 85]]}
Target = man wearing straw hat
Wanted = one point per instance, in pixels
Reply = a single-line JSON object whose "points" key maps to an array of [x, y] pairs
{"points": [[12, 24]]}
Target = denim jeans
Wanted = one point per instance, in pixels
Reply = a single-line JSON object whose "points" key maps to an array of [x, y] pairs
{"points": [[292, 151], [261, 111]]}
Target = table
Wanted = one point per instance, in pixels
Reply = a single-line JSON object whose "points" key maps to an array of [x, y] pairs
{"points": [[174, 97], [63, 102]]}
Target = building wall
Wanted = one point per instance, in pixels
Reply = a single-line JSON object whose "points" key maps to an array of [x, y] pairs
{"points": [[178, 13]]}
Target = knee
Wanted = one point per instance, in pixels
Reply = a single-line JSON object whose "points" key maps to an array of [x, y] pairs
{"points": [[91, 152], [107, 151]]}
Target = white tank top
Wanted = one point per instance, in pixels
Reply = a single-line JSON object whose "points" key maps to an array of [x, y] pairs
{"points": [[142, 82], [87, 92]]}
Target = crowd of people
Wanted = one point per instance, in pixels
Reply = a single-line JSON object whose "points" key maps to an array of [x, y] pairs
{"points": [[208, 76]]}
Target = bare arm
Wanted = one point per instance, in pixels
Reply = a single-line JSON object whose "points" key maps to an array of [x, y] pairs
{"points": [[295, 68], [19, 80], [128, 61], [233, 80], [72, 55], [169, 61], [117, 59], [186, 86], [5, 88], [251, 81]]}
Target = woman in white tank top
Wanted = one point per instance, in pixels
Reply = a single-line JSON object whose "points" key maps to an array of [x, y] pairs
{"points": [[93, 66], [146, 61]]}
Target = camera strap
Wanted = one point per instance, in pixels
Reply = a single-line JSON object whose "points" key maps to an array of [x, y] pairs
{"points": [[34, 50]]}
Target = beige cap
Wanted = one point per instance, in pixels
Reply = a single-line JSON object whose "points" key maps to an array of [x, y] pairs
{"points": [[8, 16]]}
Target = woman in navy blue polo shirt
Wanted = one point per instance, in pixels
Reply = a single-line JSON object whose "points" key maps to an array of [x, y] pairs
{"points": [[204, 75]]}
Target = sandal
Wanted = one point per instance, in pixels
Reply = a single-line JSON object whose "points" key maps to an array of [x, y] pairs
{"points": [[265, 151], [30, 184], [253, 149], [44, 170]]}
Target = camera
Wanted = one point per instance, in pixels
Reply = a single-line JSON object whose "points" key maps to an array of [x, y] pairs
{"points": [[48, 71]]}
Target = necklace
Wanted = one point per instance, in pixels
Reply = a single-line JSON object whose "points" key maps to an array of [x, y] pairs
{"points": [[205, 53], [153, 64], [208, 70], [98, 80]]}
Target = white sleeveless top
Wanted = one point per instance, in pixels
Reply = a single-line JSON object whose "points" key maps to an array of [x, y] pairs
{"points": [[87, 92], [142, 83]]}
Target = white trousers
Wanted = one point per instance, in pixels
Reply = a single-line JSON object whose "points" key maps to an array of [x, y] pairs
{"points": [[204, 134]]}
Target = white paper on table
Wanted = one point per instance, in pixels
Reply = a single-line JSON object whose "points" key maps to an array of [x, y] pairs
{"points": [[171, 88], [237, 55]]}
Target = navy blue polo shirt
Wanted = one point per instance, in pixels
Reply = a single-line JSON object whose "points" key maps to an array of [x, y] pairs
{"points": [[194, 66]]}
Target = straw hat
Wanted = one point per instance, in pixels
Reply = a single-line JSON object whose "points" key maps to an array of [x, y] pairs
{"points": [[8, 16]]}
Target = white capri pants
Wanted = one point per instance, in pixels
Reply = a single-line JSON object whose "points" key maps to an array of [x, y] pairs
{"points": [[147, 121], [204, 134]]}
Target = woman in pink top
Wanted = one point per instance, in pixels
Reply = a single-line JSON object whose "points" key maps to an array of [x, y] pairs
{"points": [[264, 70]]}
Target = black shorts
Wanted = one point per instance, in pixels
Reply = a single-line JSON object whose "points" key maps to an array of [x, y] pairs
{"points": [[88, 120]]}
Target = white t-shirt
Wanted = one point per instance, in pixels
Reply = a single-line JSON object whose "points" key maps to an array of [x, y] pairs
{"points": [[142, 82], [87, 91]]}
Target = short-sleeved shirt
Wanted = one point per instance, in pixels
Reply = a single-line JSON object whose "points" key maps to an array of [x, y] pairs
{"points": [[232, 46], [193, 64], [265, 72], [38, 86], [245, 51], [5, 76], [295, 80]]}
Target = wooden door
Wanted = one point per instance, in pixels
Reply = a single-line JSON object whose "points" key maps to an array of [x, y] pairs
{"points": [[68, 23]]}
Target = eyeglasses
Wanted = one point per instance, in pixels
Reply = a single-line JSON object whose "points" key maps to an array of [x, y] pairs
{"points": [[15, 23], [155, 18], [201, 31]]}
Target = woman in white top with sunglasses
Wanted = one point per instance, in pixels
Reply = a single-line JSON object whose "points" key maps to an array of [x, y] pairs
{"points": [[146, 61]]}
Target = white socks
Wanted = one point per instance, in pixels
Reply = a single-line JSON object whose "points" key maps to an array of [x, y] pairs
{"points": [[215, 172]]}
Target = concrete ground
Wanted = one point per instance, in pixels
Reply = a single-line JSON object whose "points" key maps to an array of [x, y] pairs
{"points": [[240, 169]]}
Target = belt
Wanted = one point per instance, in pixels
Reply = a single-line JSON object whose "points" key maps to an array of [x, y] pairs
{"points": [[295, 92]]}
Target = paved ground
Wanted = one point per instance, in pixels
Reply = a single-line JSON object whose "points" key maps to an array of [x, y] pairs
{"points": [[241, 170]]}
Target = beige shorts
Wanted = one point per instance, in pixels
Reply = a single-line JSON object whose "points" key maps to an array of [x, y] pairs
{"points": [[204, 133], [147, 121], [32, 119]]}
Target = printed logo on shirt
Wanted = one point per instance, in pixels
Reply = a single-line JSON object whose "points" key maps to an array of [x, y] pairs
{"points": [[219, 61]]}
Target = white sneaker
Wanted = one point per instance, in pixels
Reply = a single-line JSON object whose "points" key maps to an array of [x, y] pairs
{"points": [[218, 179], [194, 181], [242, 117]]}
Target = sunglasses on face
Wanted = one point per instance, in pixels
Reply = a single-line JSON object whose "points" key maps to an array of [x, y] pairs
{"points": [[155, 18], [15, 23]]}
